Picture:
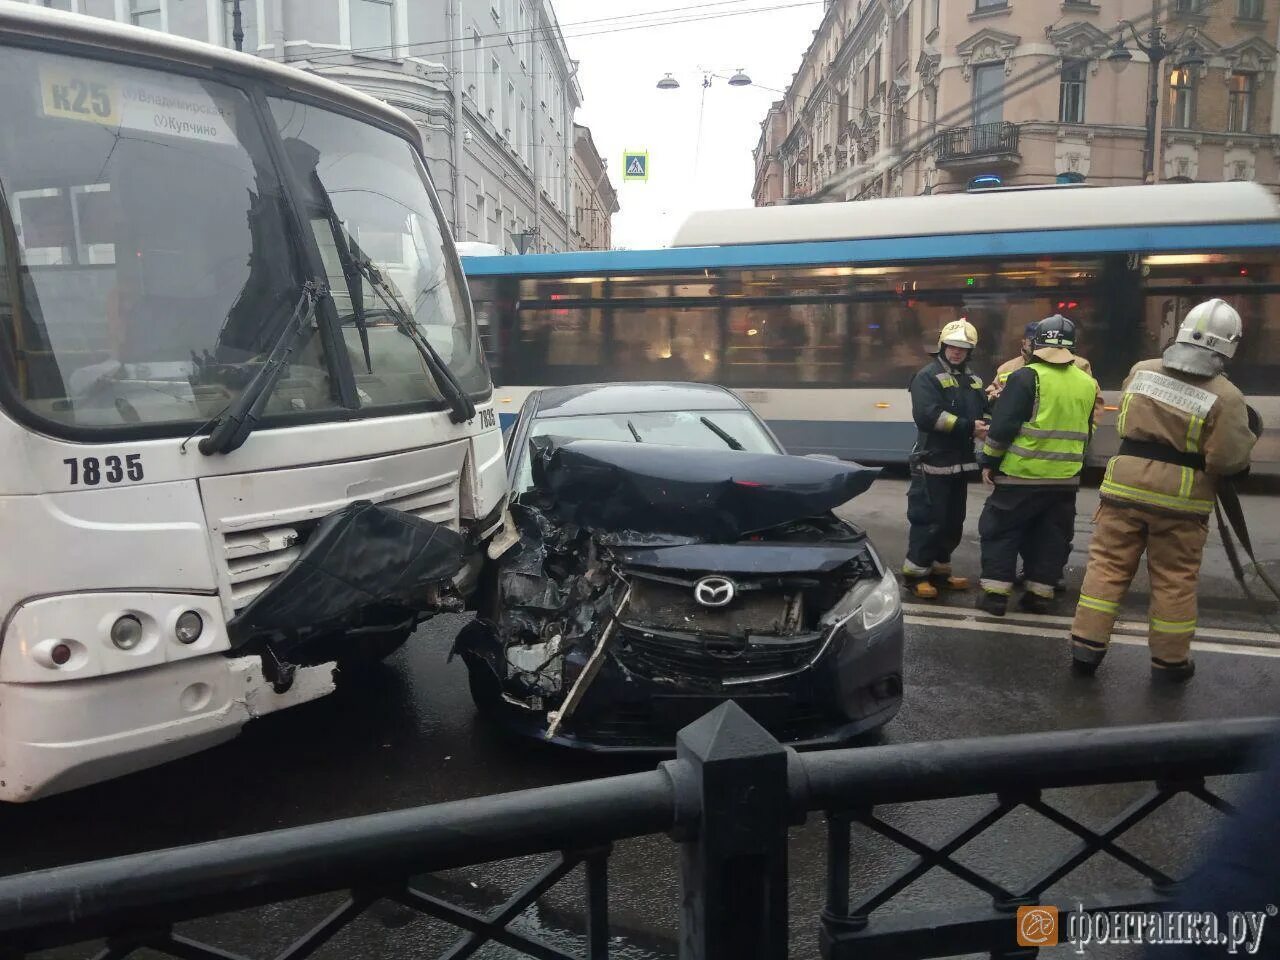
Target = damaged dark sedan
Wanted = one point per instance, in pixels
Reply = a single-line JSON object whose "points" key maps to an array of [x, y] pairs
{"points": [[665, 556]]}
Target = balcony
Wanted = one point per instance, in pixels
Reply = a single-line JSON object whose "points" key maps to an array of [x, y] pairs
{"points": [[980, 145]]}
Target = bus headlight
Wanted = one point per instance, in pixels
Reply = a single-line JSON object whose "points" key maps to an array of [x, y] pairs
{"points": [[126, 632], [189, 627]]}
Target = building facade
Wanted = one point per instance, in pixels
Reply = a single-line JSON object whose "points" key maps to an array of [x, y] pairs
{"points": [[911, 97], [594, 199], [488, 82]]}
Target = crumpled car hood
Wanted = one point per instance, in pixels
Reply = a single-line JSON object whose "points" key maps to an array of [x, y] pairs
{"points": [[716, 495]]}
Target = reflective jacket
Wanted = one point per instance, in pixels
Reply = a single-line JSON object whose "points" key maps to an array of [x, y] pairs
{"points": [[946, 402], [1006, 369], [1041, 425], [1182, 433]]}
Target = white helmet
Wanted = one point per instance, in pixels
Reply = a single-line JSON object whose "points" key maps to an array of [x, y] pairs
{"points": [[1206, 340], [958, 333]]}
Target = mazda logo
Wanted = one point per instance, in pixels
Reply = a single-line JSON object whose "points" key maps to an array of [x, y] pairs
{"points": [[714, 591]]}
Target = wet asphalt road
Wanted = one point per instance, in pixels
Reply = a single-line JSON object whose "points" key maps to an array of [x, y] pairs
{"points": [[406, 734]]}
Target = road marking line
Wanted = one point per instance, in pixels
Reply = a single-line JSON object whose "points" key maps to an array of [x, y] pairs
{"points": [[1124, 626], [1029, 631]]}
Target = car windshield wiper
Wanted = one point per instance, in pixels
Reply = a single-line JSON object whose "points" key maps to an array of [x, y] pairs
{"points": [[722, 433], [233, 425], [634, 432], [461, 409]]}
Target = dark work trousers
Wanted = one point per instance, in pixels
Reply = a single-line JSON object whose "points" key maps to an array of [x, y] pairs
{"points": [[1036, 522], [935, 510]]}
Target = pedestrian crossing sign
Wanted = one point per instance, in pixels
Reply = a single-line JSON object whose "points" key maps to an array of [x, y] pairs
{"points": [[635, 165]]}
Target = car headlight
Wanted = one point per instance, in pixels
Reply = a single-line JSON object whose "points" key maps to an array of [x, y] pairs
{"points": [[869, 604]]}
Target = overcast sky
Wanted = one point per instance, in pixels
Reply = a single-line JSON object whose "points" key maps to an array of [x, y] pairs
{"points": [[625, 110]]}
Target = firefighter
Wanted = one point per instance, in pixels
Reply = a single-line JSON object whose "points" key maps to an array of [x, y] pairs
{"points": [[1006, 369], [1033, 456], [947, 403], [1182, 424], [1017, 363]]}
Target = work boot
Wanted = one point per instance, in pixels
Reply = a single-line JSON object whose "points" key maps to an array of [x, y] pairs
{"points": [[1034, 603], [996, 604], [923, 589], [1086, 656], [956, 583], [1163, 671]]}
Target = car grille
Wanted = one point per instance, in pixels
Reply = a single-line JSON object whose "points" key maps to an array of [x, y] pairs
{"points": [[713, 658], [669, 605], [256, 555]]}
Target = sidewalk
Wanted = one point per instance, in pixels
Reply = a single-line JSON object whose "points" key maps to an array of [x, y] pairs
{"points": [[882, 512]]}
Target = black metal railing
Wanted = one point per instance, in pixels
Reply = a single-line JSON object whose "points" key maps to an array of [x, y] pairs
{"points": [[977, 141], [728, 800]]}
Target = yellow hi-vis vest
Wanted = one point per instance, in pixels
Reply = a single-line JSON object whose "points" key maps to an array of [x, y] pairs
{"points": [[1050, 446]]}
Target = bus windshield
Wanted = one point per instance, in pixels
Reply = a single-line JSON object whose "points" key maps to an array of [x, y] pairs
{"points": [[368, 205], [147, 265]]}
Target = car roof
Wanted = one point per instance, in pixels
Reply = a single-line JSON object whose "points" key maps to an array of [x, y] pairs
{"points": [[651, 397]]}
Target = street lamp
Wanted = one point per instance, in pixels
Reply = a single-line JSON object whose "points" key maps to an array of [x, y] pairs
{"points": [[1158, 47], [668, 82]]}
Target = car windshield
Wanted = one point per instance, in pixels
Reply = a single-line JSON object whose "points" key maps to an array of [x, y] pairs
{"points": [[681, 429], [144, 260], [370, 207]]}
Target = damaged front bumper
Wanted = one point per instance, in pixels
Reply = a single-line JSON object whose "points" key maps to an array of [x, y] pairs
{"points": [[854, 685], [62, 736], [817, 687]]}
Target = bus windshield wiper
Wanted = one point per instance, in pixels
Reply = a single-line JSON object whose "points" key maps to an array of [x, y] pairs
{"points": [[234, 425], [722, 433], [461, 409]]}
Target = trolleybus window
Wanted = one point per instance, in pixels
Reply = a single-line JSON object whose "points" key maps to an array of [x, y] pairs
{"points": [[370, 207], [832, 326], [113, 310]]}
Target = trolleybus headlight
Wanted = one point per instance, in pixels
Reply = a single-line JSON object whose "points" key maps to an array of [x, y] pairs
{"points": [[126, 633], [189, 627]]}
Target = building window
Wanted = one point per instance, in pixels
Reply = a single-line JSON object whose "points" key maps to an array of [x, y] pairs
{"points": [[1240, 103], [899, 125], [1182, 98], [145, 13], [492, 90], [1071, 93], [990, 4], [1188, 6], [248, 24], [522, 134], [373, 26], [935, 14], [1250, 10], [988, 93], [902, 40]]}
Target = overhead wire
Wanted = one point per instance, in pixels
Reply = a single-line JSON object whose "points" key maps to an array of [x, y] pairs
{"points": [[674, 16]]}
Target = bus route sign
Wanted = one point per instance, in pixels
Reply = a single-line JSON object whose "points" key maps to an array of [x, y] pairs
{"points": [[635, 165]]}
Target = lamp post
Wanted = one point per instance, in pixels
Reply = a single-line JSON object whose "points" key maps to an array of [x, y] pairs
{"points": [[1158, 47], [237, 25]]}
